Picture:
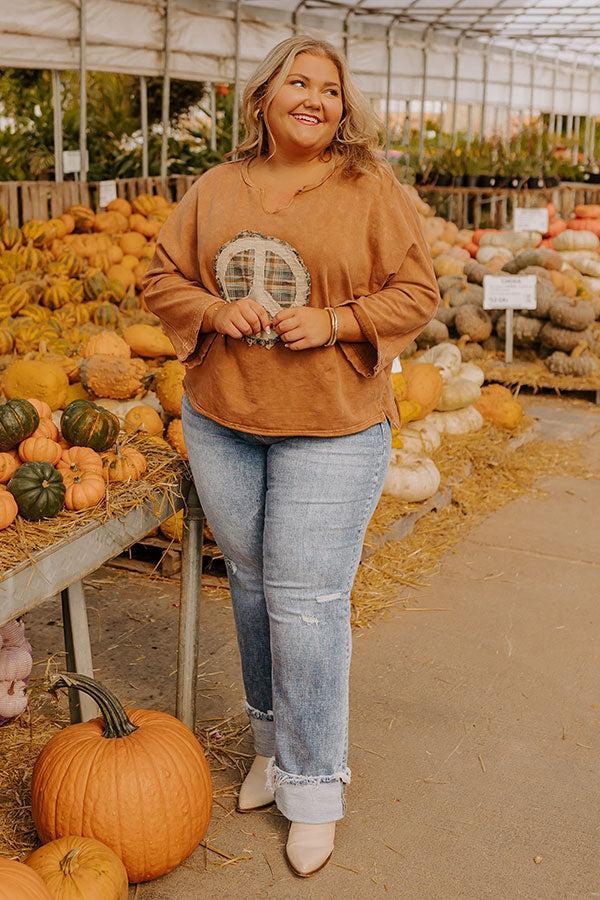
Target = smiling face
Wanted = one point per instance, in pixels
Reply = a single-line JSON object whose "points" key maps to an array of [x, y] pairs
{"points": [[306, 110]]}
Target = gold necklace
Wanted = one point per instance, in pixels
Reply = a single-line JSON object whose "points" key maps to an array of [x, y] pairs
{"points": [[300, 190]]}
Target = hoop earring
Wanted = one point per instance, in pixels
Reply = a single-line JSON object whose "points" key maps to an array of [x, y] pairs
{"points": [[258, 114]]}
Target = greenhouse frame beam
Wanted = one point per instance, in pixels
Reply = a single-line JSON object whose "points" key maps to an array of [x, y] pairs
{"points": [[57, 125], [83, 90], [389, 44], [425, 52], [235, 123], [213, 116], [166, 98], [346, 27], [144, 123]]}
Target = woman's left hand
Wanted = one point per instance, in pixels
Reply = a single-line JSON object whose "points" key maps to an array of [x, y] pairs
{"points": [[302, 327]]}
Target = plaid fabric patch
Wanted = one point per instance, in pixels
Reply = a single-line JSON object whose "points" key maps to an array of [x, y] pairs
{"points": [[238, 275]]}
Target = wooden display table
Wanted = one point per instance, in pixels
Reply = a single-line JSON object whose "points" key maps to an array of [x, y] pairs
{"points": [[59, 569]]}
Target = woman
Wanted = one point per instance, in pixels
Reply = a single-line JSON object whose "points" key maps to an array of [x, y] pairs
{"points": [[288, 281]]}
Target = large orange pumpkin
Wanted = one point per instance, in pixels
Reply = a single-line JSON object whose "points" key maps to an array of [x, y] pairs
{"points": [[135, 779], [19, 882], [73, 868], [424, 385]]}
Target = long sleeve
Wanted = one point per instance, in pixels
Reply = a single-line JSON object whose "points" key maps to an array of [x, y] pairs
{"points": [[173, 288], [393, 316]]}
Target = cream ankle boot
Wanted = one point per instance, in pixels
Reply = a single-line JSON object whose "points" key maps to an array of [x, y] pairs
{"points": [[309, 847], [253, 793]]}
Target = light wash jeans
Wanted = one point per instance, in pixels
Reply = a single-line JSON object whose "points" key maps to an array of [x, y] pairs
{"points": [[290, 514]]}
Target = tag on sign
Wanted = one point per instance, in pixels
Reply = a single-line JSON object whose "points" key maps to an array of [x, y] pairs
{"points": [[107, 191], [530, 219], [509, 292], [71, 161]]}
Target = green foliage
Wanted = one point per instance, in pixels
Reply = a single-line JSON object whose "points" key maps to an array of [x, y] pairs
{"points": [[113, 134]]}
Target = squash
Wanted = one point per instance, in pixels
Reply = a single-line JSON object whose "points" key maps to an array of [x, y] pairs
{"points": [[8, 513], [107, 343], [38, 489], [76, 391], [85, 424], [19, 882], [143, 419], [83, 489], [576, 240], [124, 464], [40, 449], [80, 867], [76, 460], [409, 410], [444, 264], [458, 421], [563, 282], [15, 296], [411, 477], [474, 322], [44, 410], [587, 211], [41, 380], [175, 437], [420, 437], [423, 385], [498, 406], [46, 429], [148, 341], [457, 393], [445, 357], [123, 275], [18, 420], [169, 386], [110, 376], [9, 463], [398, 386], [118, 766], [120, 205]]}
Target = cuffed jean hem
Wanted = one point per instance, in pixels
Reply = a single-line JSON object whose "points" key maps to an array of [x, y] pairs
{"points": [[312, 799], [263, 730]]}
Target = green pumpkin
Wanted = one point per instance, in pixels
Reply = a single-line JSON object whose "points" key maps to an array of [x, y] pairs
{"points": [[85, 424], [94, 283], [38, 489], [18, 420]]}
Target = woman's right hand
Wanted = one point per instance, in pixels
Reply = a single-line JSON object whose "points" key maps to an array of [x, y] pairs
{"points": [[241, 318]]}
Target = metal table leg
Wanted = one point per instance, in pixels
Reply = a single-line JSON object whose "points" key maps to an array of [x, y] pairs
{"points": [[189, 609], [78, 648]]}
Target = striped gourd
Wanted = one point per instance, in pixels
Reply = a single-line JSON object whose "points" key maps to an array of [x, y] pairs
{"points": [[106, 314], [30, 259], [10, 236], [7, 341], [84, 217], [34, 232], [33, 286], [27, 338], [94, 283], [7, 276], [35, 313], [5, 310], [16, 297], [73, 264], [57, 294]]}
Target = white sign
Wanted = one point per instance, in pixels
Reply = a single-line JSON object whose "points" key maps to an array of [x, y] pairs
{"points": [[509, 292], [107, 191], [71, 161], [530, 219]]}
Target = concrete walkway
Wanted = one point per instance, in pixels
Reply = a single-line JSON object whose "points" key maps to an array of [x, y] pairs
{"points": [[475, 728]]}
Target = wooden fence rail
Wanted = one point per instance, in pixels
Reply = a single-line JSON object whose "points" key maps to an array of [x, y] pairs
{"points": [[468, 207]]}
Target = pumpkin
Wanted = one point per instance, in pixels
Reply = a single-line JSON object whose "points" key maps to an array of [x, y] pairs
{"points": [[7, 341], [110, 376], [124, 464], [84, 424], [144, 419], [457, 393], [445, 357], [148, 341], [15, 296], [76, 391], [83, 489], [123, 274], [587, 211], [420, 437], [80, 867], [409, 410], [175, 437], [93, 284], [76, 460], [9, 463], [40, 449], [106, 314], [120, 205], [445, 264], [172, 527], [8, 510], [19, 882], [46, 429], [41, 380], [169, 386], [411, 477], [423, 385], [458, 421], [108, 343], [498, 406], [44, 410], [69, 364], [57, 294], [576, 240], [116, 789], [564, 283], [18, 420], [38, 489]]}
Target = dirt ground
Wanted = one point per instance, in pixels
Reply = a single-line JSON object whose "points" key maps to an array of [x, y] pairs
{"points": [[475, 713]]}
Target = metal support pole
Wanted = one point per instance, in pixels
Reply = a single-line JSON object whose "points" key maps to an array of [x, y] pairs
{"points": [[189, 610], [83, 90], [592, 120], [58, 128], [296, 13], [425, 52], [144, 121], [213, 117], [570, 114], [235, 124], [532, 87], [389, 44], [511, 89], [457, 49], [346, 27], [552, 119], [406, 126], [484, 95], [164, 144], [469, 125]]}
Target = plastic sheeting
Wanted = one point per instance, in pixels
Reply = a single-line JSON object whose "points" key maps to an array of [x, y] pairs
{"points": [[129, 36]]}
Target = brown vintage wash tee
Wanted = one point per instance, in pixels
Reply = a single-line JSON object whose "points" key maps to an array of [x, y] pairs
{"points": [[341, 242]]}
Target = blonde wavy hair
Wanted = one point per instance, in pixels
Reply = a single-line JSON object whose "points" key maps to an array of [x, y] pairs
{"points": [[357, 138]]}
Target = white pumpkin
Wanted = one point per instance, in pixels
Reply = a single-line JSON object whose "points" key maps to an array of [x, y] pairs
{"points": [[486, 254], [458, 421], [411, 477], [591, 284], [420, 437], [514, 240], [472, 372], [445, 356], [15, 663], [457, 393], [13, 699], [576, 240], [585, 261]]}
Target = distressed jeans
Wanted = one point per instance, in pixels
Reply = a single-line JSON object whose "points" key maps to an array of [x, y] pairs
{"points": [[290, 514]]}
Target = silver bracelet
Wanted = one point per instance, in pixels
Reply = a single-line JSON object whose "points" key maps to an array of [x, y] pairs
{"points": [[334, 327]]}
